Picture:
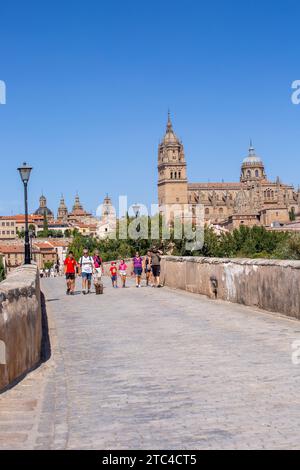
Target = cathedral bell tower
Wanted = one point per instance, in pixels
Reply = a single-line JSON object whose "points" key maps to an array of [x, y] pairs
{"points": [[62, 213], [172, 178]]}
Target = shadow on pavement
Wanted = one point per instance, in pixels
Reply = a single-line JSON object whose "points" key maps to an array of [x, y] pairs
{"points": [[46, 345]]}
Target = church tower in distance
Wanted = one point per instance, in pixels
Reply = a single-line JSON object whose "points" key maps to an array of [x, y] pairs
{"points": [[172, 177]]}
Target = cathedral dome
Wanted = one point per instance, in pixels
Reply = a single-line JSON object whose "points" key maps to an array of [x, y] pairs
{"points": [[43, 210], [252, 167], [252, 158]]}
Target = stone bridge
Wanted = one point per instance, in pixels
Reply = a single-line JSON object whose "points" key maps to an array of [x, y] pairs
{"points": [[153, 369]]}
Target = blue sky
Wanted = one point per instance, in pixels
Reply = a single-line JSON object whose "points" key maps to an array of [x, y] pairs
{"points": [[89, 85]]}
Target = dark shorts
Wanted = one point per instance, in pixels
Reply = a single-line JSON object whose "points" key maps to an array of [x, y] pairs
{"points": [[138, 271], [114, 278], [156, 271], [87, 276], [70, 276]]}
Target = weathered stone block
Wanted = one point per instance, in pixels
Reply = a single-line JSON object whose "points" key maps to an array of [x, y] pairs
{"points": [[20, 324]]}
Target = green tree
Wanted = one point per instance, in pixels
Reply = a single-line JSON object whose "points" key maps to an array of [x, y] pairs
{"points": [[247, 242], [48, 264], [2, 270], [45, 226], [20, 233], [292, 214]]}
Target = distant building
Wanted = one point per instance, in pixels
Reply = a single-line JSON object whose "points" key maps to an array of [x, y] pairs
{"points": [[78, 213], [254, 200], [289, 227], [87, 230], [43, 251], [8, 229], [11, 226], [62, 212], [43, 210], [107, 223]]}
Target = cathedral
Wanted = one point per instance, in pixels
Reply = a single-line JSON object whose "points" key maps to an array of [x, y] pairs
{"points": [[254, 200]]}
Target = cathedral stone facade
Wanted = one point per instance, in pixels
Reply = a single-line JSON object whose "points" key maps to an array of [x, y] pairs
{"points": [[254, 200]]}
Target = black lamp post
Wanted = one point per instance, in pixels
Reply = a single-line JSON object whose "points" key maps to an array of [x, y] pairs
{"points": [[25, 171], [136, 209]]}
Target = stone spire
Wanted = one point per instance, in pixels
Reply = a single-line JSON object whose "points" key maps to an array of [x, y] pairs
{"points": [[62, 213], [169, 123], [170, 136], [43, 201], [251, 148], [107, 207], [77, 204]]}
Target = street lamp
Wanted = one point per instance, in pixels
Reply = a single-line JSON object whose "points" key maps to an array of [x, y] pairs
{"points": [[136, 209], [25, 171]]}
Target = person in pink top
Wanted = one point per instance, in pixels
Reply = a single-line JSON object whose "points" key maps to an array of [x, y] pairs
{"points": [[123, 272]]}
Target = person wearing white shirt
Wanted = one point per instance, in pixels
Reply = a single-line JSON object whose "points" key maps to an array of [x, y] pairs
{"points": [[87, 268]]}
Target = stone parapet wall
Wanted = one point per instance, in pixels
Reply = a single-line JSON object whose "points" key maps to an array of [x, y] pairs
{"points": [[268, 284], [20, 324]]}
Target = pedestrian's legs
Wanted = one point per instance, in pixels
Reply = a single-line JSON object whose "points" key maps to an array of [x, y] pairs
{"points": [[84, 283]]}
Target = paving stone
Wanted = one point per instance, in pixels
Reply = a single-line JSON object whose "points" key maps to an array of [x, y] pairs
{"points": [[157, 368]]}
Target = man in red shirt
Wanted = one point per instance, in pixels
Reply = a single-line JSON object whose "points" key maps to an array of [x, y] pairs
{"points": [[70, 271]]}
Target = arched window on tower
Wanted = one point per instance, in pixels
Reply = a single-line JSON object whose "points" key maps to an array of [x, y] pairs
{"points": [[256, 173], [179, 174], [248, 174], [207, 210], [175, 175], [171, 175]]}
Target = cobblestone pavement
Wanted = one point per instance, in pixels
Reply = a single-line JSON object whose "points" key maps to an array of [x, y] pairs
{"points": [[156, 368]]}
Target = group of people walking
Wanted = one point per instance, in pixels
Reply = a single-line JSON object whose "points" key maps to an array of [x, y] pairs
{"points": [[150, 265], [91, 268]]}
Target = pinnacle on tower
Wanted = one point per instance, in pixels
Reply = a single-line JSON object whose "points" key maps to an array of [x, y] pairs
{"points": [[169, 124], [251, 148]]}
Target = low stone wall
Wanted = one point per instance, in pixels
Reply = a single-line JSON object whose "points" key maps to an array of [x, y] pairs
{"points": [[268, 284], [20, 324]]}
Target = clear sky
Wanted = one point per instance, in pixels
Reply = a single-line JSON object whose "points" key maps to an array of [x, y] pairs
{"points": [[89, 84]]}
